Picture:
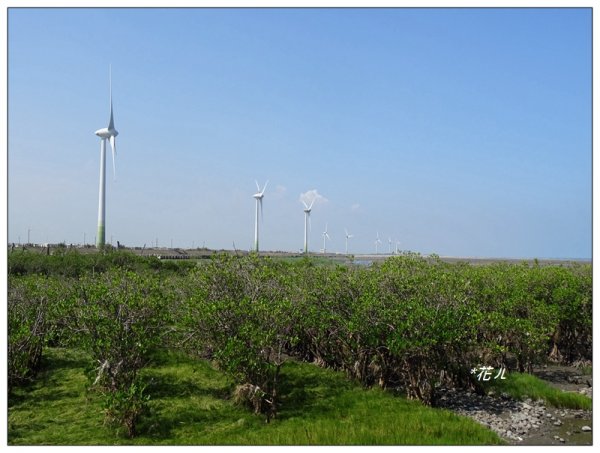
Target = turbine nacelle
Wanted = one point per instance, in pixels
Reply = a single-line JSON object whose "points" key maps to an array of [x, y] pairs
{"points": [[260, 192], [307, 207], [106, 133]]}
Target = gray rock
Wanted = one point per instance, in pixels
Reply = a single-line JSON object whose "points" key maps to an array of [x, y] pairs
{"points": [[586, 429], [561, 440], [557, 423]]}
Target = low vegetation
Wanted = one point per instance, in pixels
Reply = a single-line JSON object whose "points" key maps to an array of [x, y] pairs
{"points": [[408, 325], [191, 405], [522, 385]]}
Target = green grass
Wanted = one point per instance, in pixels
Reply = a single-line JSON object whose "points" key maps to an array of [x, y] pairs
{"points": [[524, 385], [190, 405]]}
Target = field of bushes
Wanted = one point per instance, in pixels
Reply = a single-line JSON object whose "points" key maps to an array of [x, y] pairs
{"points": [[408, 325]]}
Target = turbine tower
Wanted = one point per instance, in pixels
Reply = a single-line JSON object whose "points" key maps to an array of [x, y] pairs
{"points": [[348, 236], [307, 210], [106, 133], [325, 237], [390, 243], [377, 242], [258, 197]]}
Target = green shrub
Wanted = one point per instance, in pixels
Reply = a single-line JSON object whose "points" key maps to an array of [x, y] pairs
{"points": [[28, 304], [122, 319], [238, 312]]}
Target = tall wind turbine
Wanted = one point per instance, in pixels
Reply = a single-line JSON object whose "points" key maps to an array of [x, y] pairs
{"points": [[390, 243], [377, 242], [307, 210], [325, 237], [258, 197], [106, 133], [348, 236]]}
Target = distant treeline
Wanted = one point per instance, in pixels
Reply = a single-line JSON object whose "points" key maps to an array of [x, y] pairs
{"points": [[68, 262]]}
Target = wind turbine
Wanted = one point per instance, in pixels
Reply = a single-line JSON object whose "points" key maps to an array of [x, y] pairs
{"points": [[106, 133], [377, 242], [325, 237], [390, 243], [258, 197], [307, 210], [397, 244], [348, 236]]}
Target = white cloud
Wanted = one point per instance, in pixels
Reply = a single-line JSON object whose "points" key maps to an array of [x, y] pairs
{"points": [[279, 192], [314, 197]]}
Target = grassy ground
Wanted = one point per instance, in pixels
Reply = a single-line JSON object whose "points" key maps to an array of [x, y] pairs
{"points": [[523, 385], [190, 405]]}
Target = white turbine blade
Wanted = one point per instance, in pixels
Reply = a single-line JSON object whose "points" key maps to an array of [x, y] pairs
{"points": [[305, 205], [257, 186], [261, 210], [111, 123], [113, 146], [346, 231], [311, 205], [265, 187]]}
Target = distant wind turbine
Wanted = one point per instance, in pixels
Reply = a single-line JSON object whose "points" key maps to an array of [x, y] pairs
{"points": [[258, 197], [307, 210], [325, 237], [397, 244], [377, 242], [109, 133], [390, 243], [348, 236]]}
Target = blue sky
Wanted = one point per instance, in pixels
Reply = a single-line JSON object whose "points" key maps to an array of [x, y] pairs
{"points": [[464, 132]]}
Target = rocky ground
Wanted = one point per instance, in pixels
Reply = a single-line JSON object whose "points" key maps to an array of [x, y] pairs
{"points": [[529, 422]]}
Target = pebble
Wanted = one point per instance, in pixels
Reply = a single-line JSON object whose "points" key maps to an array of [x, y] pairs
{"points": [[586, 429], [513, 420]]}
